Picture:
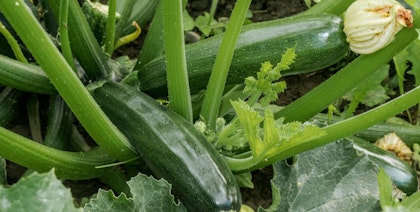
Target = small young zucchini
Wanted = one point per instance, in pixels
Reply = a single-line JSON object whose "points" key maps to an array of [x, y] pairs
{"points": [[172, 148], [319, 40]]}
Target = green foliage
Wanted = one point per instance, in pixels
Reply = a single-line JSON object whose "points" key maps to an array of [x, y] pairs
{"points": [[265, 82], [267, 142], [406, 62], [148, 194], [206, 24], [369, 92], [37, 192], [245, 130], [333, 177], [413, 3], [44, 192]]}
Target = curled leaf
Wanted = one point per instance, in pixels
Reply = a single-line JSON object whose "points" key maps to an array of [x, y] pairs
{"points": [[130, 37]]}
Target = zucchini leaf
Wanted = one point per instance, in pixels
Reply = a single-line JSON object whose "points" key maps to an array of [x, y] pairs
{"points": [[266, 82], [412, 55], [148, 193], [267, 142], [333, 177], [37, 192], [370, 92], [257, 127]]}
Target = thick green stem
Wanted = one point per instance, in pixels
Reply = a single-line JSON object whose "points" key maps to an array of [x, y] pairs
{"points": [[65, 80], [25, 77], [216, 85], [178, 86], [110, 27], [68, 165]]}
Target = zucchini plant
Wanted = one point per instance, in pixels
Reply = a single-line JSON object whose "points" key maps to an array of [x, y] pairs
{"points": [[100, 116]]}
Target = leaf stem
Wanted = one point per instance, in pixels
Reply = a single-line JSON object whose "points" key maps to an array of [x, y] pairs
{"points": [[213, 8], [13, 44], [110, 27], [178, 86], [25, 77], [216, 85], [64, 33], [68, 165]]}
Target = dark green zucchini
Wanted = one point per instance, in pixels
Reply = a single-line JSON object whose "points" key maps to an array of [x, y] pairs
{"points": [[172, 148], [319, 39]]}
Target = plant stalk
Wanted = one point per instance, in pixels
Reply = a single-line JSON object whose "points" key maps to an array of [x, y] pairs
{"points": [[64, 33], [217, 81], [110, 27], [178, 86], [67, 165], [13, 44]]}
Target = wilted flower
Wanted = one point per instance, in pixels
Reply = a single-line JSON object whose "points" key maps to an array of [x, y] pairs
{"points": [[391, 142], [371, 25]]}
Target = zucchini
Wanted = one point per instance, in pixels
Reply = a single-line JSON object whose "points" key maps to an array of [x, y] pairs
{"points": [[319, 39], [172, 148], [96, 15]]}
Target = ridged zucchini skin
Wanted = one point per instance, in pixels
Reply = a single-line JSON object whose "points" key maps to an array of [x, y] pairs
{"points": [[319, 39], [172, 148]]}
